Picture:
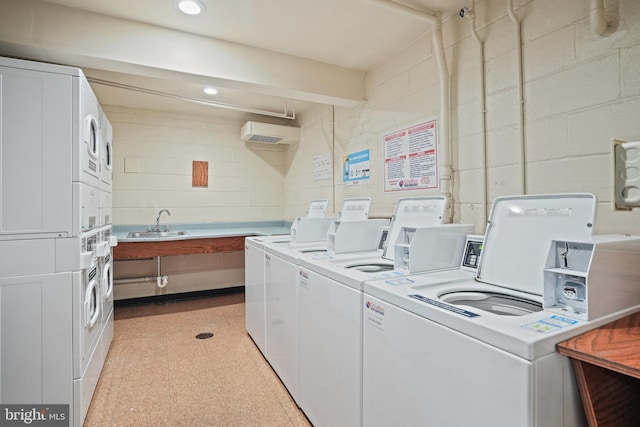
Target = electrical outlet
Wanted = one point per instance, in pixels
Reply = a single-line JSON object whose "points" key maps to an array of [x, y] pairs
{"points": [[626, 174]]}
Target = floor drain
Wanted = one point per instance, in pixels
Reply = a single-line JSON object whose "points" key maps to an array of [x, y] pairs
{"points": [[204, 335]]}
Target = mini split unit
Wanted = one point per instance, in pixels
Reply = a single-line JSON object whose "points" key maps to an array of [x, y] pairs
{"points": [[267, 133]]}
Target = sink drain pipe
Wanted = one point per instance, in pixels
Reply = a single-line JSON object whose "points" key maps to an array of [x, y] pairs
{"points": [[161, 281]]}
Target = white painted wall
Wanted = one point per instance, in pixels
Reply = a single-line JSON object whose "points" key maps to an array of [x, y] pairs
{"points": [[580, 91], [153, 155]]}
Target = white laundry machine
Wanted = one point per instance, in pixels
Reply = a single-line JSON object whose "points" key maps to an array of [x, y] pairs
{"points": [[36, 357], [50, 150], [281, 296], [51, 324], [105, 260], [482, 351], [254, 289], [330, 321], [106, 153], [49, 274], [87, 322], [254, 282]]}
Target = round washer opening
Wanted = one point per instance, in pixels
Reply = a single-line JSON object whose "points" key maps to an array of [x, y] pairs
{"points": [[374, 267], [493, 302]]}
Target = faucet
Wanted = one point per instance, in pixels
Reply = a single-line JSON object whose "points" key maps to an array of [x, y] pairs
{"points": [[158, 219]]}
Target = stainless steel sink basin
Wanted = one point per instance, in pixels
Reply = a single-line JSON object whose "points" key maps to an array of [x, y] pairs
{"points": [[155, 234]]}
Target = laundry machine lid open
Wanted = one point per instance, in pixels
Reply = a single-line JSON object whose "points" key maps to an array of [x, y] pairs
{"points": [[413, 212], [520, 231]]}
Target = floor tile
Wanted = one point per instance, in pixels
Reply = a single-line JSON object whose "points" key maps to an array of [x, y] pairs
{"points": [[157, 372]]}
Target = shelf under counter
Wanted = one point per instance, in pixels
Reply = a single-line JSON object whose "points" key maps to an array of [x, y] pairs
{"points": [[148, 249]]}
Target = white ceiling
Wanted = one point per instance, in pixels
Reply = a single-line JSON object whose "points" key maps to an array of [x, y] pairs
{"points": [[352, 34]]}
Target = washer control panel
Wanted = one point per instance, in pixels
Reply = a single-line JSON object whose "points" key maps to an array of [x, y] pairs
{"points": [[472, 250]]}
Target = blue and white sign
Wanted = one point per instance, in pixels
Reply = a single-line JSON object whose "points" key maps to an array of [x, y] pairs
{"points": [[355, 168]]}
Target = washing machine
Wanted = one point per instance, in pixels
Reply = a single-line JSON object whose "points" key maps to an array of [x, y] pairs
{"points": [[330, 319], [36, 314], [87, 322], [254, 283], [105, 260], [490, 339], [281, 296], [50, 146], [254, 289]]}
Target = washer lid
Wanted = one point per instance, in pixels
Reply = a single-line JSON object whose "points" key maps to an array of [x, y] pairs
{"points": [[519, 235], [317, 208], [413, 212], [355, 209]]}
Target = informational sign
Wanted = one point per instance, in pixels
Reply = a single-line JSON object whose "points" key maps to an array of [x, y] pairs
{"points": [[411, 157], [355, 168], [322, 167]]}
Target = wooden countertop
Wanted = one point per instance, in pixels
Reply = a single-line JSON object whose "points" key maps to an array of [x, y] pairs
{"points": [[606, 363], [614, 346]]}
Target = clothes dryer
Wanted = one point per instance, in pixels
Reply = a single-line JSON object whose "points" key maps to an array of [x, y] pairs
{"points": [[493, 344], [106, 153], [50, 151]]}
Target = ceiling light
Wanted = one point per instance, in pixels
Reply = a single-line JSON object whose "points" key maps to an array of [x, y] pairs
{"points": [[190, 7], [210, 90]]}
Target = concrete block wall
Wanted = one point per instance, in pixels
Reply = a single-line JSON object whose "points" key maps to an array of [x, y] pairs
{"points": [[299, 185], [153, 155], [580, 91]]}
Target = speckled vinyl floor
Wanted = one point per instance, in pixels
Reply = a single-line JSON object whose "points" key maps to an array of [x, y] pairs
{"points": [[157, 372]]}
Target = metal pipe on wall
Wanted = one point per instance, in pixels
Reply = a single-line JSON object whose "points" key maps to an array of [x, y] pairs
{"points": [[435, 19], [597, 18], [483, 112], [520, 88]]}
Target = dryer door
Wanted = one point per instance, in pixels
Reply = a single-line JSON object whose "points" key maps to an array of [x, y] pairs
{"points": [[91, 304], [107, 281]]}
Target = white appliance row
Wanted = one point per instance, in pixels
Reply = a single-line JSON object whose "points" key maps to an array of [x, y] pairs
{"points": [[56, 280], [389, 345], [313, 323]]}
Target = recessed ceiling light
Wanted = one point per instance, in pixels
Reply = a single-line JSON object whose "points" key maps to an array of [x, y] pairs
{"points": [[190, 7], [210, 90]]}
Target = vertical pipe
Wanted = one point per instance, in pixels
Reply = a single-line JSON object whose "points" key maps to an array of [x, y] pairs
{"points": [[483, 113], [435, 19], [523, 155], [445, 115], [597, 18]]}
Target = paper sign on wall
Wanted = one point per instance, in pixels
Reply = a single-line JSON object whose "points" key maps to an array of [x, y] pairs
{"points": [[355, 168], [322, 167], [411, 157]]}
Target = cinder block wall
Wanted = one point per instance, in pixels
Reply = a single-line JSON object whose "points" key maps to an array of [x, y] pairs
{"points": [[580, 91]]}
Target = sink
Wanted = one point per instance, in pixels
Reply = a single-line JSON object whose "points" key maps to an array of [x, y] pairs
{"points": [[155, 234]]}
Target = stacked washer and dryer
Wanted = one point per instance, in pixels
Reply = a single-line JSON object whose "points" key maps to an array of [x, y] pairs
{"points": [[56, 300]]}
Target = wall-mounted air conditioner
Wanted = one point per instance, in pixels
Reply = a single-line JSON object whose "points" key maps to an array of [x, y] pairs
{"points": [[267, 133]]}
